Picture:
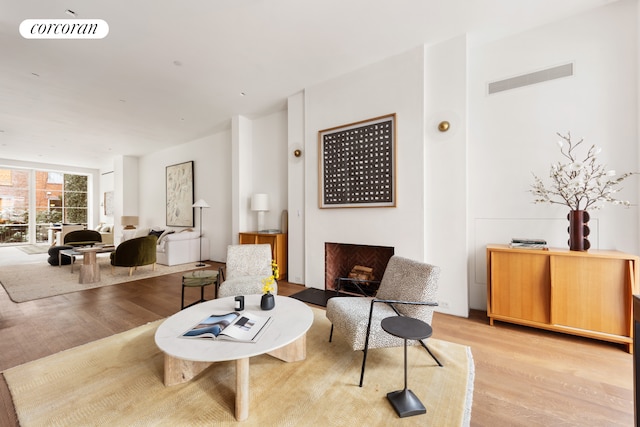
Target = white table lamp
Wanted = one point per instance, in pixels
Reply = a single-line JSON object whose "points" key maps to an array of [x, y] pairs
{"points": [[129, 230], [260, 204]]}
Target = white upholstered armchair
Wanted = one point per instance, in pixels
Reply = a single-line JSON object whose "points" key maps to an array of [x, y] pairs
{"points": [[408, 288], [246, 266]]}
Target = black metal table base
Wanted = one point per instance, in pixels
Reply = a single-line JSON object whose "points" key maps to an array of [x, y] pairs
{"points": [[406, 403]]}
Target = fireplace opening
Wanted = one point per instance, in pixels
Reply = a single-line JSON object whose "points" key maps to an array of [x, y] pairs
{"points": [[364, 263]]}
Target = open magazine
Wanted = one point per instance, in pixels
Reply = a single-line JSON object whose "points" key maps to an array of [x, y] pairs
{"points": [[234, 326]]}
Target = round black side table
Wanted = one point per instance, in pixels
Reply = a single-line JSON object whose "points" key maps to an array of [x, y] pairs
{"points": [[405, 402]]}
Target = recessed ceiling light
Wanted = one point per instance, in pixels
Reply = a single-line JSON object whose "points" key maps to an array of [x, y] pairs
{"points": [[71, 13]]}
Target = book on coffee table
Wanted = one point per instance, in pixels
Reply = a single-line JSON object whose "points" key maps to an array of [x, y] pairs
{"points": [[234, 326]]}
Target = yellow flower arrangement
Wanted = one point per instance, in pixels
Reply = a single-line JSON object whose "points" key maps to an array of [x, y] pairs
{"points": [[268, 282]]}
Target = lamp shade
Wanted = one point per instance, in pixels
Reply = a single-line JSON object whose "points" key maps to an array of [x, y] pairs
{"points": [[260, 202], [200, 204], [129, 222]]}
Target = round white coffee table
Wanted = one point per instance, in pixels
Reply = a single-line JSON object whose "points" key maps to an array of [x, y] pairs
{"points": [[284, 338]]}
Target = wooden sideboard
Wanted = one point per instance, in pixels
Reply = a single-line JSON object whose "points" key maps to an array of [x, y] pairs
{"points": [[278, 242], [581, 293]]}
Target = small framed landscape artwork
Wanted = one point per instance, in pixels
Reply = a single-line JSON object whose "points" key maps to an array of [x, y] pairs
{"points": [[180, 194]]}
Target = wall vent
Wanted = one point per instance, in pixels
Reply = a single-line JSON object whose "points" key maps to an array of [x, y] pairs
{"points": [[558, 72]]}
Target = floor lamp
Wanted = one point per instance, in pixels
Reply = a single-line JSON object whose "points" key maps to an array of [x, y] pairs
{"points": [[200, 204]]}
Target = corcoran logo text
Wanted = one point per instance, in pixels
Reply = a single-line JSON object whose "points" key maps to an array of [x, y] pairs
{"points": [[64, 29]]}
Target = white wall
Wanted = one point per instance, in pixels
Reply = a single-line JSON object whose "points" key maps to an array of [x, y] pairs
{"points": [[512, 133], [295, 190], [458, 191], [395, 85], [270, 167], [107, 183], [445, 208], [264, 139], [212, 182], [241, 175]]}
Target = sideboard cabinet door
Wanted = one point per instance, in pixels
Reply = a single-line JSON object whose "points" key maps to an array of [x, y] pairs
{"points": [[591, 294], [520, 286]]}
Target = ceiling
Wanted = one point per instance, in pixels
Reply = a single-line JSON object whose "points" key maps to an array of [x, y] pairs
{"points": [[172, 71]]}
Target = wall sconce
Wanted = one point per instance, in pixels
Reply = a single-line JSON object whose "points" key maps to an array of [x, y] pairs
{"points": [[260, 204], [444, 126], [295, 152]]}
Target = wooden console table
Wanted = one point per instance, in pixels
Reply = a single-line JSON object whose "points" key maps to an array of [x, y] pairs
{"points": [[278, 242], [580, 293]]}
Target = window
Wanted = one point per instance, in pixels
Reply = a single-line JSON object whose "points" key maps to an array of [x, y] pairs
{"points": [[59, 197], [54, 178], [14, 205], [74, 204], [5, 177]]}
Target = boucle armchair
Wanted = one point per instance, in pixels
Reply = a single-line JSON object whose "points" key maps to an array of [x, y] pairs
{"points": [[246, 266], [408, 288]]}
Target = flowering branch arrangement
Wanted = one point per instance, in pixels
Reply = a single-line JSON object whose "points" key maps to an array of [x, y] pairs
{"points": [[268, 282], [579, 183]]}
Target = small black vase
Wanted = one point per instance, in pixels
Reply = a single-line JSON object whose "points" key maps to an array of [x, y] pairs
{"points": [[267, 302]]}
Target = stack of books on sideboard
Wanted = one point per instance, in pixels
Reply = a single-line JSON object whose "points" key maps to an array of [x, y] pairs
{"points": [[518, 243]]}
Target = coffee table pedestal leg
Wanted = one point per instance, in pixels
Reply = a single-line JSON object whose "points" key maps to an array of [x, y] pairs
{"points": [[294, 352], [178, 371], [89, 270], [242, 389]]}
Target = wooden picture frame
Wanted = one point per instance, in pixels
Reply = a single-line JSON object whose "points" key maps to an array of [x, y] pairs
{"points": [[180, 192], [357, 164]]}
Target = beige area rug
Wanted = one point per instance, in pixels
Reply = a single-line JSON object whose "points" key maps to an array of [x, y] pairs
{"points": [[35, 280], [118, 381], [35, 249]]}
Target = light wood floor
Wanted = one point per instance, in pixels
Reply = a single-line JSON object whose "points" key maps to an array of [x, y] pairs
{"points": [[523, 377]]}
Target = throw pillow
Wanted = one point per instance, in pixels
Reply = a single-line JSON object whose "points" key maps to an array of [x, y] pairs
{"points": [[156, 233], [165, 234]]}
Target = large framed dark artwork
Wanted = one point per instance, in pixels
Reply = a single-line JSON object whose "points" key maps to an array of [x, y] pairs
{"points": [[357, 164], [180, 195]]}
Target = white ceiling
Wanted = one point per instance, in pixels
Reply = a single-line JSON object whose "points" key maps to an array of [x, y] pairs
{"points": [[171, 71]]}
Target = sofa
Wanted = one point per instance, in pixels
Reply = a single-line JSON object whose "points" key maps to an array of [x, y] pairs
{"points": [[106, 231], [64, 229], [180, 247]]}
